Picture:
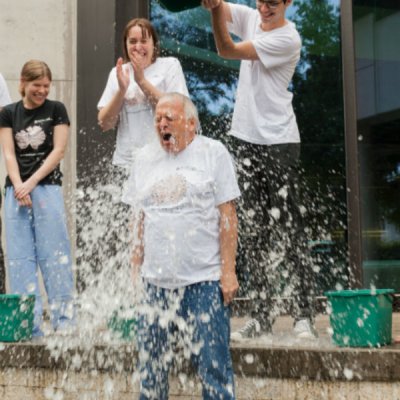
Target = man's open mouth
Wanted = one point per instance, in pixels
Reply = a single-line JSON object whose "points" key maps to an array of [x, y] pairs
{"points": [[167, 137]]}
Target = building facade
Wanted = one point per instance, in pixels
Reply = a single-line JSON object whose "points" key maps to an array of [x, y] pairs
{"points": [[345, 98]]}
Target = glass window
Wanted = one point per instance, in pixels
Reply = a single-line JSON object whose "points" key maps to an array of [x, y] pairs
{"points": [[318, 103], [377, 29]]}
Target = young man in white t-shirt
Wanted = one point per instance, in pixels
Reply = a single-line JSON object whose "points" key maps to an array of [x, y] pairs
{"points": [[184, 250], [266, 142], [4, 100]]}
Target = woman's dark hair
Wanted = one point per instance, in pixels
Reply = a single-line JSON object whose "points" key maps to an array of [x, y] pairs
{"points": [[147, 30]]}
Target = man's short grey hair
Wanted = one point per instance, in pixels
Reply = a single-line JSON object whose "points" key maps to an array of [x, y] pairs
{"points": [[188, 106]]}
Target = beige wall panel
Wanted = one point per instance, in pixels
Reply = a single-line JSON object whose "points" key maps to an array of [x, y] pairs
{"points": [[38, 29]]}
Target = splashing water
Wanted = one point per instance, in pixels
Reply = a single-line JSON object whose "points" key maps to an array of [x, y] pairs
{"points": [[105, 237]]}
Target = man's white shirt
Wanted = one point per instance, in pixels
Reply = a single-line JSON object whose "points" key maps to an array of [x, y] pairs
{"points": [[179, 196]]}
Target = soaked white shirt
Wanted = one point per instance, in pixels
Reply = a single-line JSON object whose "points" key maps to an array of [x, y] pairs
{"points": [[263, 112], [4, 95], [136, 119], [179, 195]]}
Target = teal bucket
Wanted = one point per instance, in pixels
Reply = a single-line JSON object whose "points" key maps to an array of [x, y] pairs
{"points": [[16, 317], [361, 318], [122, 324]]}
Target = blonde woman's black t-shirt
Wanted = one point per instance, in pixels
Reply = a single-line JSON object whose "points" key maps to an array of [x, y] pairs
{"points": [[33, 132]]}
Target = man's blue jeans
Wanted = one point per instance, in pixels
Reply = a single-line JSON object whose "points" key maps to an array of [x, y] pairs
{"points": [[38, 237], [194, 320]]}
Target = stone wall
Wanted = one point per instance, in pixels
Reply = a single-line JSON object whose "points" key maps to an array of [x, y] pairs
{"points": [[42, 384], [33, 371]]}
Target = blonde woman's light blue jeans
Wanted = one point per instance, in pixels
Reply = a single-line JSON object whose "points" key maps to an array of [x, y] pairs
{"points": [[37, 237]]}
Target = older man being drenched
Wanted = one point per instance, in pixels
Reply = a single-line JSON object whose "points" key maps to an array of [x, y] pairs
{"points": [[185, 243]]}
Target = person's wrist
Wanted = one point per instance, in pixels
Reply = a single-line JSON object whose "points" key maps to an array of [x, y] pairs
{"points": [[122, 91], [32, 181], [217, 5], [141, 81]]}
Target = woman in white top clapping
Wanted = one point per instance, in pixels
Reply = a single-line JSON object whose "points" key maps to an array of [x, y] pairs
{"points": [[134, 86]]}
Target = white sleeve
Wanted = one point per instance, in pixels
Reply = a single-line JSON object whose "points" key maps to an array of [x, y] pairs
{"points": [[175, 80], [226, 186], [110, 89], [4, 95], [240, 17], [277, 50]]}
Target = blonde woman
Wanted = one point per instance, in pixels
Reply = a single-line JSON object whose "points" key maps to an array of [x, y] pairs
{"points": [[34, 134]]}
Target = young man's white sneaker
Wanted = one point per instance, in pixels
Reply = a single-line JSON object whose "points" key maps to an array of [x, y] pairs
{"points": [[304, 329], [250, 330]]}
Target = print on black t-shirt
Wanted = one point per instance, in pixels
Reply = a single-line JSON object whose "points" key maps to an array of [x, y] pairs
{"points": [[33, 136]]}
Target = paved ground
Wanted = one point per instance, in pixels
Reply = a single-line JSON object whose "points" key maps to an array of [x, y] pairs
{"points": [[282, 337], [283, 333]]}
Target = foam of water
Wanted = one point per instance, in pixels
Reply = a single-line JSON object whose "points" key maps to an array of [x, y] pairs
{"points": [[105, 237]]}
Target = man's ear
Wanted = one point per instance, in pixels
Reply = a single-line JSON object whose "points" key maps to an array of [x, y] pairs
{"points": [[192, 124]]}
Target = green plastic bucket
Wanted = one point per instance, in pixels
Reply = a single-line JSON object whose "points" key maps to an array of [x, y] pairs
{"points": [[361, 318], [123, 324], [16, 317]]}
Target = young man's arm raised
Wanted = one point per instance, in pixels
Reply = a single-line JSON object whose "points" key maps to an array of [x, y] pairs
{"points": [[227, 48]]}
